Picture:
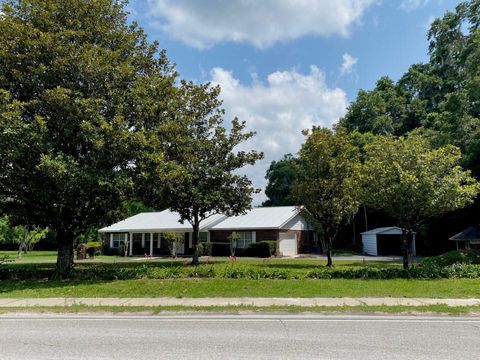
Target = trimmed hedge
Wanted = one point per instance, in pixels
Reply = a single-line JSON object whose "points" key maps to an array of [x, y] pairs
{"points": [[453, 257], [237, 271]]}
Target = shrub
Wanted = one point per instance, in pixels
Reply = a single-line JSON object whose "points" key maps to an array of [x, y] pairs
{"points": [[206, 248], [452, 257], [93, 248], [262, 249], [220, 249]]}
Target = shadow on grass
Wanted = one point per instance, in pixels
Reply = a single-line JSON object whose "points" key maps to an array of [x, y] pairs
{"points": [[9, 286]]}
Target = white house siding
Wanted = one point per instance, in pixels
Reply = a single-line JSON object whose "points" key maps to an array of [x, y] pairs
{"points": [[369, 244], [298, 223]]}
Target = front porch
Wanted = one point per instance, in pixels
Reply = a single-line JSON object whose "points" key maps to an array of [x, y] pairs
{"points": [[152, 243]]}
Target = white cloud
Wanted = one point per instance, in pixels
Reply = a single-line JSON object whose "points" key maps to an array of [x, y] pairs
{"points": [[278, 110], [411, 5], [348, 64], [262, 23]]}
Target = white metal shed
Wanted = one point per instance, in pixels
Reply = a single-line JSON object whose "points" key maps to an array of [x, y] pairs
{"points": [[370, 240]]}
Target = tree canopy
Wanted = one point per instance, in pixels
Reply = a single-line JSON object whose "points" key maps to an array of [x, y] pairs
{"points": [[281, 176], [439, 99], [205, 161], [84, 101], [328, 183], [412, 182]]}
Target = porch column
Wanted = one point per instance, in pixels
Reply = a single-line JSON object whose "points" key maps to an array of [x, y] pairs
{"points": [[151, 244], [414, 246], [111, 240], [130, 243]]}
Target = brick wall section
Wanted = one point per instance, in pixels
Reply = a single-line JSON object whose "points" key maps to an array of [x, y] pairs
{"points": [[260, 235], [266, 235]]}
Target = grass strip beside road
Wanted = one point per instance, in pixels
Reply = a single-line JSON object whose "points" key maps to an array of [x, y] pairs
{"points": [[245, 309], [442, 288]]}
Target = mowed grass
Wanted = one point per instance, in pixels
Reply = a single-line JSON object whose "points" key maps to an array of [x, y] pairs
{"points": [[51, 256], [443, 288], [224, 287]]}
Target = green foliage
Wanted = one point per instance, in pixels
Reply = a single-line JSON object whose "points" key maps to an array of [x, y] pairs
{"points": [[412, 183], [328, 183], [93, 248], [83, 96], [264, 249], [233, 239], [9, 234], [173, 240], [439, 99], [452, 257], [204, 178], [234, 270], [281, 176]]}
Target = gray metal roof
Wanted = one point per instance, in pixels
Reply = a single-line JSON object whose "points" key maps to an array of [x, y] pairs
{"points": [[259, 218], [471, 233], [394, 230], [256, 218], [165, 220]]}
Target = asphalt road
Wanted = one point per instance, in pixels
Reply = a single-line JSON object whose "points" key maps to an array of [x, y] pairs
{"points": [[238, 337]]}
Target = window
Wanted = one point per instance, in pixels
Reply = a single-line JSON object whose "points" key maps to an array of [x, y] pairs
{"points": [[245, 240], [118, 240], [203, 237]]}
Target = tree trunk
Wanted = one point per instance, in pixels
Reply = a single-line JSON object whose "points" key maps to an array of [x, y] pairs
{"points": [[195, 236], [327, 250], [64, 255], [329, 253], [406, 246], [23, 243]]}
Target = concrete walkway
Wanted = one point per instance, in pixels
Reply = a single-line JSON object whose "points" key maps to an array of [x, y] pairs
{"points": [[249, 301]]}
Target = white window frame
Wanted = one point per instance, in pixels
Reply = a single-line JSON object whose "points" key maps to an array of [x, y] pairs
{"points": [[247, 238], [117, 239], [205, 236]]}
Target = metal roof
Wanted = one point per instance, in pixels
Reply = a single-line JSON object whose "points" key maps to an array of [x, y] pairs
{"points": [[259, 218], [471, 233], [394, 230], [165, 220]]}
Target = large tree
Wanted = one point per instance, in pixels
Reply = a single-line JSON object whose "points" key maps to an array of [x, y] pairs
{"points": [[327, 185], [84, 99], [439, 99], [281, 176], [206, 159], [412, 183]]}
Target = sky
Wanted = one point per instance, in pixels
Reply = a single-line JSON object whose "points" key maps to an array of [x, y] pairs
{"points": [[286, 65]]}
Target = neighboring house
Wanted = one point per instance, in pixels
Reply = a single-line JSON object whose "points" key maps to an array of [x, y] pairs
{"points": [[282, 224], [385, 241], [470, 238]]}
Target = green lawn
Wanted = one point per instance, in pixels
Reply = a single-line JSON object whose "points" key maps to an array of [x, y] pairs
{"points": [[444, 288], [224, 287], [50, 256]]}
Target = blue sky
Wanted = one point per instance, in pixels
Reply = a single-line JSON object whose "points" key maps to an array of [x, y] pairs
{"points": [[285, 65]]}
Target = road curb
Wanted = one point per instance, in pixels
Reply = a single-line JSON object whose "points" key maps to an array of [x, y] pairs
{"points": [[241, 301]]}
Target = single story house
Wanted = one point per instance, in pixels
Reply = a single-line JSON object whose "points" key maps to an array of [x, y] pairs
{"points": [[385, 241], [470, 238], [283, 224]]}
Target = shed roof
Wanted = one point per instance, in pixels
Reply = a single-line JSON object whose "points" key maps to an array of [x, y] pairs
{"points": [[165, 220], [392, 230], [259, 218], [471, 233]]}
